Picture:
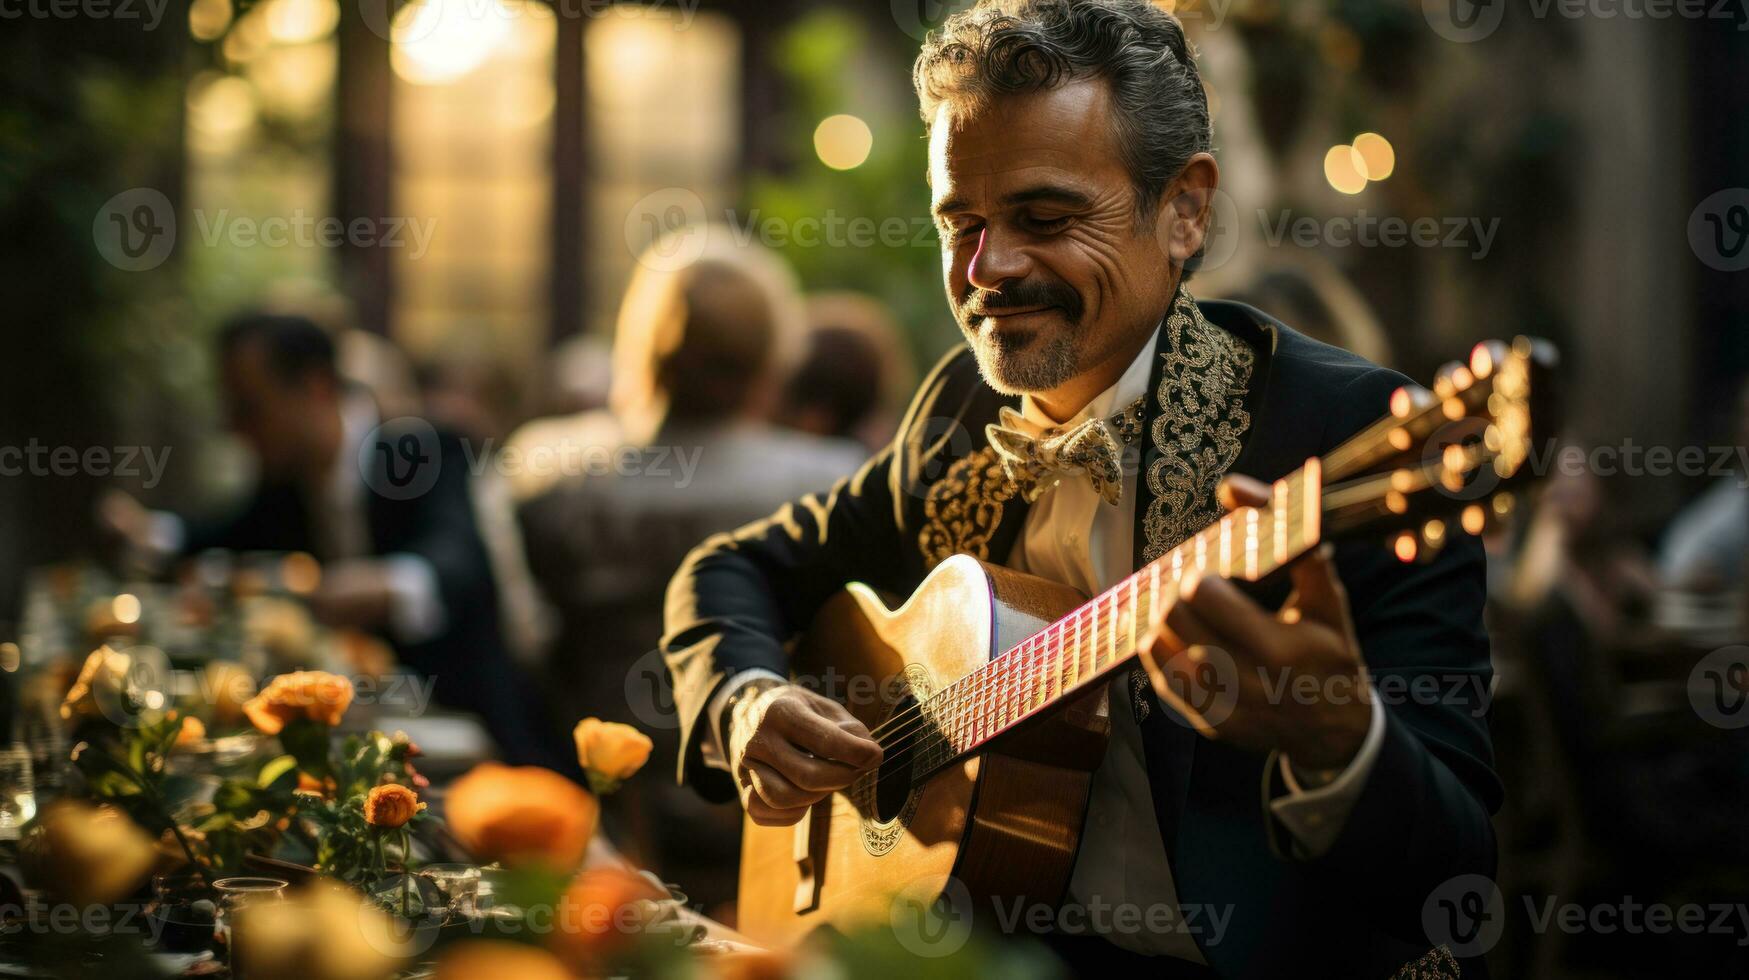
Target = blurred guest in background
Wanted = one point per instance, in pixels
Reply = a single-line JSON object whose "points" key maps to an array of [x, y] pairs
{"points": [[387, 510], [686, 449], [854, 374], [1704, 548]]}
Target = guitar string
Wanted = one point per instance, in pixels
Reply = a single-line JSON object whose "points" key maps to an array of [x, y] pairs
{"points": [[1003, 667], [921, 738], [1020, 663], [917, 720], [1293, 485]]}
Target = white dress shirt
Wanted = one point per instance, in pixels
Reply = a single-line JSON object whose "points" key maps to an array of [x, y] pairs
{"points": [[1074, 537]]}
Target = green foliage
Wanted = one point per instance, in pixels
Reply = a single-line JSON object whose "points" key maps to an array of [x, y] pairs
{"points": [[831, 67]]}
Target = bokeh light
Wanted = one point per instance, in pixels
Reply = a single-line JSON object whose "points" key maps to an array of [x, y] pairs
{"points": [[1344, 169], [1378, 157], [843, 142]]}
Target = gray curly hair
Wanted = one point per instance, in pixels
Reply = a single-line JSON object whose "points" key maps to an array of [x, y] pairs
{"points": [[1000, 47]]}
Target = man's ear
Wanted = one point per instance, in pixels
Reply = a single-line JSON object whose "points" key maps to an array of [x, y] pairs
{"points": [[1187, 209]]}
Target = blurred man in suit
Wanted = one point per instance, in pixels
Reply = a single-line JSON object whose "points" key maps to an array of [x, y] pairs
{"points": [[385, 507]]}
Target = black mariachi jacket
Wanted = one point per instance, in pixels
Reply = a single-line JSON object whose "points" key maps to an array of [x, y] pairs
{"points": [[1232, 391]]}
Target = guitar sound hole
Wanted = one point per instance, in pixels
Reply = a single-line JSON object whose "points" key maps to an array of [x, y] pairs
{"points": [[893, 779]]}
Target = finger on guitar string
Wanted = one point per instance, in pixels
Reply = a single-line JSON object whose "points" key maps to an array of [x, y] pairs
{"points": [[776, 789], [1227, 618], [806, 770], [830, 732], [1238, 491]]}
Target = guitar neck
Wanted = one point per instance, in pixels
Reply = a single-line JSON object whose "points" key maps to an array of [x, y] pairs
{"points": [[1084, 648]]}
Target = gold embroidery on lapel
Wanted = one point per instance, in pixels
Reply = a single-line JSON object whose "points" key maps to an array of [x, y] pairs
{"points": [[964, 507], [1200, 427]]}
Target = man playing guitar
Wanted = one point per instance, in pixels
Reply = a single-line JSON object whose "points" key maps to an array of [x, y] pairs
{"points": [[1098, 416]]}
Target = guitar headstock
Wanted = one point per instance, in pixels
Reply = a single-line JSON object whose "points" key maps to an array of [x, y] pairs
{"points": [[1452, 458]]}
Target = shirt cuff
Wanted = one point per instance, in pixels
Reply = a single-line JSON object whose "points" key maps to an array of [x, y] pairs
{"points": [[715, 749], [416, 612], [1316, 805]]}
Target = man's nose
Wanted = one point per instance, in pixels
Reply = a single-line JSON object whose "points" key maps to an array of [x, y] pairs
{"points": [[996, 261]]}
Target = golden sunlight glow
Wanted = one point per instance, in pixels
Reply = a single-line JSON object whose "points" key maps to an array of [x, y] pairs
{"points": [[221, 109], [301, 21], [843, 142], [209, 19], [1378, 159], [440, 41], [1344, 169]]}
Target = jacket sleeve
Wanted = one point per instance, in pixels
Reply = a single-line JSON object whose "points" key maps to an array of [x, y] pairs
{"points": [[739, 597], [1423, 815]]}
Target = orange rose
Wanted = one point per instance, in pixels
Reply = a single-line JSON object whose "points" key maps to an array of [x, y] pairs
{"points": [[192, 730], [497, 959], [391, 805], [610, 751], [313, 694], [596, 916], [522, 814]]}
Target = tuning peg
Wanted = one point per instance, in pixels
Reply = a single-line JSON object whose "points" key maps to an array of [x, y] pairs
{"points": [[1451, 379], [1487, 356], [1405, 400]]}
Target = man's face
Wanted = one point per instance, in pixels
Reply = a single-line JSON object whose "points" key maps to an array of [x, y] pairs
{"points": [[288, 424], [1050, 270]]}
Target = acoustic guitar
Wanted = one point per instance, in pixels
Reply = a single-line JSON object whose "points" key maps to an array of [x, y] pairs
{"points": [[988, 691]]}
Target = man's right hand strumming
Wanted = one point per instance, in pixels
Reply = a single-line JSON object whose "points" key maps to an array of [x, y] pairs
{"points": [[790, 748]]}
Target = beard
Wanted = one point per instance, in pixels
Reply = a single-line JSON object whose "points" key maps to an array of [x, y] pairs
{"points": [[1016, 362]]}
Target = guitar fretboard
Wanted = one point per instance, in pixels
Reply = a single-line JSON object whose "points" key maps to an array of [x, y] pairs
{"points": [[1086, 646]]}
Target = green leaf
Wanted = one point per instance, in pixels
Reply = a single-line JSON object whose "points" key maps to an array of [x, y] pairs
{"points": [[284, 768]]}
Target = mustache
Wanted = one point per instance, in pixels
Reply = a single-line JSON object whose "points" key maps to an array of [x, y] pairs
{"points": [[977, 303]]}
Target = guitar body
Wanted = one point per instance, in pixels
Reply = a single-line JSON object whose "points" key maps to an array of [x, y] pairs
{"points": [[1002, 823]]}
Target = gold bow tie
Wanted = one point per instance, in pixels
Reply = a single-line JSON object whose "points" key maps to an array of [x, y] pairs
{"points": [[1036, 460]]}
